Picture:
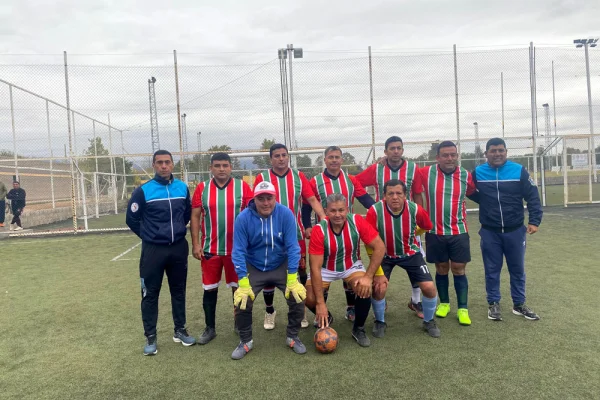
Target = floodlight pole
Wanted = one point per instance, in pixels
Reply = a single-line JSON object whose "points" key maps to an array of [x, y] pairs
{"points": [[589, 93], [293, 53]]}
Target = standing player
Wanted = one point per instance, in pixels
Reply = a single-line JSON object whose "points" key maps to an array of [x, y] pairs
{"points": [[394, 166], [502, 186], [334, 252], [215, 206], [17, 196], [398, 220], [334, 180], [158, 213], [292, 190], [446, 185]]}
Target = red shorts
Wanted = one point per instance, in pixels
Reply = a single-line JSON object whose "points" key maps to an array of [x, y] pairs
{"points": [[212, 270]]}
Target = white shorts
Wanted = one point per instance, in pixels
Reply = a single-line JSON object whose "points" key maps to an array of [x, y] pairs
{"points": [[331, 276]]}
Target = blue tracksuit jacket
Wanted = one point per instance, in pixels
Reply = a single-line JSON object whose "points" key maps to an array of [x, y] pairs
{"points": [[501, 192], [159, 210]]}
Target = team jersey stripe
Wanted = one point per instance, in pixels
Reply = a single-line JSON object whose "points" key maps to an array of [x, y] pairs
{"points": [[445, 196], [341, 251], [398, 233], [406, 173]]}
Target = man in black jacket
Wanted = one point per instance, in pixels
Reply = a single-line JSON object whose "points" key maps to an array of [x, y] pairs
{"points": [[16, 195], [158, 213]]}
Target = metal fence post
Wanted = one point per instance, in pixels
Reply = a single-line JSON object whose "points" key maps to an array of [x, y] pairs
{"points": [[14, 132], [84, 203], [73, 182], [372, 108], [96, 195], [533, 109], [181, 160], [565, 167], [51, 155], [113, 179], [456, 97]]}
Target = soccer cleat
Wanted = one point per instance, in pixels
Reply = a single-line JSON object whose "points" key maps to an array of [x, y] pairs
{"points": [[442, 310], [150, 347], [208, 335], [350, 313], [181, 336], [379, 329], [241, 350], [432, 329], [304, 323], [360, 336], [463, 316], [269, 323], [416, 307], [524, 311], [295, 344], [494, 312]]}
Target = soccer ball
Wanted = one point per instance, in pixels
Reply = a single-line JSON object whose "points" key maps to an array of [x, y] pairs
{"points": [[326, 340]]}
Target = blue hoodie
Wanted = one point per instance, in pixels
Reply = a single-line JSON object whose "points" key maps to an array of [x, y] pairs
{"points": [[265, 243]]}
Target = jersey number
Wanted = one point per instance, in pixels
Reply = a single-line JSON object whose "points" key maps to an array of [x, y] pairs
{"points": [[424, 269]]}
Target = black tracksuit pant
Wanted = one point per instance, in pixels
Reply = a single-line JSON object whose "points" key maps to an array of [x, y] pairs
{"points": [[154, 262], [258, 281], [16, 216]]}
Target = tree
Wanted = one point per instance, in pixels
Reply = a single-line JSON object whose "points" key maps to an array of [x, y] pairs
{"points": [[264, 162], [96, 149]]}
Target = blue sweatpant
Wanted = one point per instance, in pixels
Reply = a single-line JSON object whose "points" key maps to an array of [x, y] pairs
{"points": [[496, 246]]}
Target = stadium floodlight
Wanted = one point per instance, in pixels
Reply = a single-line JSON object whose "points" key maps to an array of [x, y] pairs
{"points": [[585, 43]]}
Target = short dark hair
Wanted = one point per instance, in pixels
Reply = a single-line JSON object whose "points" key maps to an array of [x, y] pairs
{"points": [[277, 146], [161, 153], [495, 142], [220, 157], [392, 139], [394, 182], [332, 148], [445, 143]]}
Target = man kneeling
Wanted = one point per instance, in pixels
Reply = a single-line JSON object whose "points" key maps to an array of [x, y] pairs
{"points": [[334, 253], [266, 253]]}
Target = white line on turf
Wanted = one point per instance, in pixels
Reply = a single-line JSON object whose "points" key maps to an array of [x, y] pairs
{"points": [[125, 252]]}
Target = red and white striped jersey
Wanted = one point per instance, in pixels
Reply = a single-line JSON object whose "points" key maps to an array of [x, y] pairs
{"points": [[377, 175], [340, 251], [220, 207], [292, 190], [445, 197], [323, 185], [398, 231]]}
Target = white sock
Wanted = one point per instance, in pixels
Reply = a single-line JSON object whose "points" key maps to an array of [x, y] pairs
{"points": [[416, 295]]}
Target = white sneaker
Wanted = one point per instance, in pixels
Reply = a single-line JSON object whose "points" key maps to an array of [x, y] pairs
{"points": [[304, 323], [269, 323], [18, 228]]}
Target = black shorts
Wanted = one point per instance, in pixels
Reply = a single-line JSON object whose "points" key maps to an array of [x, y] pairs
{"points": [[414, 265], [444, 248]]}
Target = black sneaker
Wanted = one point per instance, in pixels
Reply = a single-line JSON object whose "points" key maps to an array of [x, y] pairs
{"points": [[379, 329], [524, 311], [360, 336], [182, 336], [432, 329], [494, 312], [208, 335], [150, 347]]}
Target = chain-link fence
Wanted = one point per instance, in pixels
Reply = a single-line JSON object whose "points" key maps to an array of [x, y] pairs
{"points": [[77, 132]]}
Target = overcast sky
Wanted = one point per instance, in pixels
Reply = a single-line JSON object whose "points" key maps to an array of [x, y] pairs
{"points": [[331, 97]]}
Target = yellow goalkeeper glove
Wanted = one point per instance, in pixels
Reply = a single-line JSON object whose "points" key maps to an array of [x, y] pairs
{"points": [[294, 287], [240, 296], [379, 271], [419, 231]]}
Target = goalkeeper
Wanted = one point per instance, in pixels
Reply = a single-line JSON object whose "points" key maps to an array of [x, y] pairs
{"points": [[266, 253]]}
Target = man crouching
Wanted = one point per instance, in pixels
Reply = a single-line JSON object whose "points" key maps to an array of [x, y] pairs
{"points": [[266, 253]]}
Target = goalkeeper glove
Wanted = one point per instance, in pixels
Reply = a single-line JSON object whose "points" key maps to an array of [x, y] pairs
{"points": [[419, 231], [240, 296], [295, 288]]}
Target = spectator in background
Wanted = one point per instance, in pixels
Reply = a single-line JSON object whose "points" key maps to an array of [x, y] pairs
{"points": [[17, 204], [2, 203]]}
